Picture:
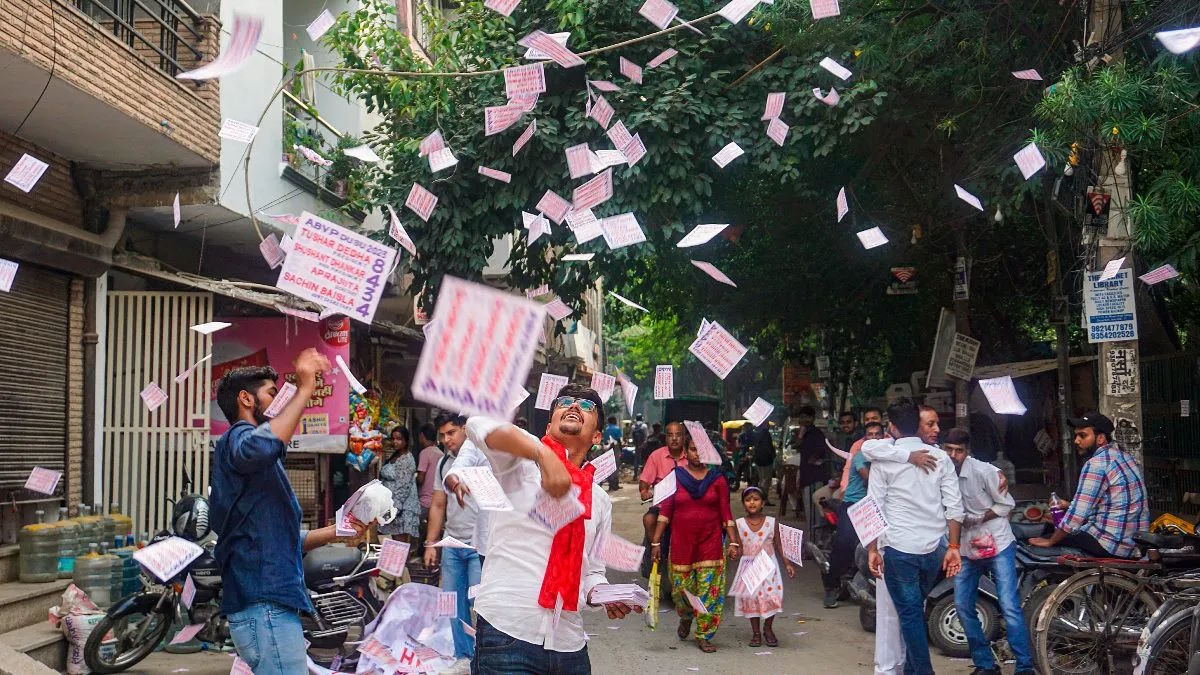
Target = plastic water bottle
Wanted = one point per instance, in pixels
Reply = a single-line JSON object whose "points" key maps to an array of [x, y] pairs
{"points": [[1056, 510]]}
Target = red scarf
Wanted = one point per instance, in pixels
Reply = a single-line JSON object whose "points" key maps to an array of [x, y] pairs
{"points": [[565, 566]]}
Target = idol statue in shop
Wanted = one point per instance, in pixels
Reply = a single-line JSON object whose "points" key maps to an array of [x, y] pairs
{"points": [[366, 440]]}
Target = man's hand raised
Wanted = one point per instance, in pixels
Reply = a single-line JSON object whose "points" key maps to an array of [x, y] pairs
{"points": [[308, 364], [922, 460], [555, 479]]}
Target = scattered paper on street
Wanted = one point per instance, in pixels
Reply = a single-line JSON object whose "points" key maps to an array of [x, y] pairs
{"points": [[482, 350], [758, 412], [664, 382], [1002, 395]]}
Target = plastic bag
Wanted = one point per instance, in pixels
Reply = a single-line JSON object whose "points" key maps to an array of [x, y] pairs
{"points": [[77, 628], [651, 613], [74, 601]]}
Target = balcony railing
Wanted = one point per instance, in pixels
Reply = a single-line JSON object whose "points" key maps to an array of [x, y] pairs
{"points": [[165, 33]]}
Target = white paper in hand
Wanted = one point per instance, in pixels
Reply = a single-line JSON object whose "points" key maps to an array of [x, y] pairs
{"points": [[758, 412], [485, 489], [792, 541], [665, 488], [449, 542], [605, 465], [1002, 395], [752, 575], [701, 234]]}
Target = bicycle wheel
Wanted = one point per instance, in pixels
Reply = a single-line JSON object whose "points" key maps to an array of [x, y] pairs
{"points": [[1092, 626], [1169, 646]]}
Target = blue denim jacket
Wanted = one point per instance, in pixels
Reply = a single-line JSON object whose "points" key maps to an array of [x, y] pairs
{"points": [[257, 520]]}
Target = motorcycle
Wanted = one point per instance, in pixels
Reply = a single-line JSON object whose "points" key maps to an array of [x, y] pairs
{"points": [[337, 578]]}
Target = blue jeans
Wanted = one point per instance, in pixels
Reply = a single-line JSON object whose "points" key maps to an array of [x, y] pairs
{"points": [[269, 638], [460, 571], [1003, 568], [500, 654], [909, 579]]}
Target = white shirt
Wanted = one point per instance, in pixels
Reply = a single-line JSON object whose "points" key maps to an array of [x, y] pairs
{"points": [[468, 456], [916, 504], [512, 575], [979, 484], [460, 521]]}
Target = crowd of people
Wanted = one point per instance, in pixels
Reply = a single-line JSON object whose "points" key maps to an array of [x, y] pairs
{"points": [[521, 587]]}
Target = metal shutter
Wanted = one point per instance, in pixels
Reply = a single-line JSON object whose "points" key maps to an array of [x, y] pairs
{"points": [[33, 378]]}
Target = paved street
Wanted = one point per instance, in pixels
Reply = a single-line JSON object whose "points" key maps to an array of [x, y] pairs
{"points": [[812, 639]]}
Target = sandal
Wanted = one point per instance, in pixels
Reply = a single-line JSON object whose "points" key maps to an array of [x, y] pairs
{"points": [[706, 646], [756, 640], [685, 629], [771, 639]]}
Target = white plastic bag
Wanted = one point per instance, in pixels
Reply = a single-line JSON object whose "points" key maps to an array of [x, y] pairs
{"points": [[77, 628]]}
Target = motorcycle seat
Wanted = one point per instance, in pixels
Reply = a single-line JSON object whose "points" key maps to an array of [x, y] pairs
{"points": [[323, 564], [1026, 531], [1051, 552]]}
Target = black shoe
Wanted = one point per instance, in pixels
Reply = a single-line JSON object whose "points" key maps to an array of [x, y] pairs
{"points": [[831, 598], [986, 671], [1024, 672]]}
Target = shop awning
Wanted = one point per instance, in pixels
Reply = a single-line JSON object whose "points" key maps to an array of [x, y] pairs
{"points": [[1023, 368], [255, 294]]}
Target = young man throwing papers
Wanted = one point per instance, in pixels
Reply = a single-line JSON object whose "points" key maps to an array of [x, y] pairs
{"points": [[535, 581]]}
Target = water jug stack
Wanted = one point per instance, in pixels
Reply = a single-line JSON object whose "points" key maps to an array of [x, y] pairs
{"points": [[68, 545], [39, 542], [93, 575]]}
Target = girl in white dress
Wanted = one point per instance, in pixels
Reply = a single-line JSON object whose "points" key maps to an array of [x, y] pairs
{"points": [[759, 532]]}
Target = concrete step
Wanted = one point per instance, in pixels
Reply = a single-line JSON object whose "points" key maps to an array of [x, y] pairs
{"points": [[41, 642], [26, 604], [10, 568]]}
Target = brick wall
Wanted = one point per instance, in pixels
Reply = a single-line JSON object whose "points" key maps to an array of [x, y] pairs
{"points": [[75, 396], [54, 195], [99, 64]]}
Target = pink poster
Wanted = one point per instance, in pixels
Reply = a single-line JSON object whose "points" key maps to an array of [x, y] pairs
{"points": [[277, 341]]}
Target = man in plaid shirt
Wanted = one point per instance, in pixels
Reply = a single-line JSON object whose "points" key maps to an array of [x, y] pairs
{"points": [[1110, 502]]}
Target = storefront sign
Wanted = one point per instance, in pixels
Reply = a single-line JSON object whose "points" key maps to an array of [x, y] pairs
{"points": [[277, 342], [1108, 307], [336, 268]]}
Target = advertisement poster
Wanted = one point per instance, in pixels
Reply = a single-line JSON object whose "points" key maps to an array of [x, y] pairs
{"points": [[1108, 307], [277, 341]]}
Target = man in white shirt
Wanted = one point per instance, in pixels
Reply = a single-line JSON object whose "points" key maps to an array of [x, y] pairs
{"points": [[919, 507], [990, 548], [535, 583], [461, 567]]}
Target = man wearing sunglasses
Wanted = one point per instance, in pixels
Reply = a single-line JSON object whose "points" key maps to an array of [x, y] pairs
{"points": [[535, 581]]}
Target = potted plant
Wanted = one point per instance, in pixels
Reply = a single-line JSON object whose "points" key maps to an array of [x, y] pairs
{"points": [[339, 175]]}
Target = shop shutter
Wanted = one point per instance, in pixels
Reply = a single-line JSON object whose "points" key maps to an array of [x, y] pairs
{"points": [[33, 378]]}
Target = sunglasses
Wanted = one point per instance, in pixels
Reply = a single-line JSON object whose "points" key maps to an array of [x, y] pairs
{"points": [[586, 405]]}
